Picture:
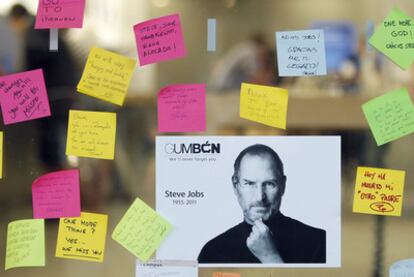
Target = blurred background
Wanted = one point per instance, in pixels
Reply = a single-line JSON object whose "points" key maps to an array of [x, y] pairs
{"points": [[320, 105]]}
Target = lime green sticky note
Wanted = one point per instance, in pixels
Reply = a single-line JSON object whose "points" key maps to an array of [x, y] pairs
{"points": [[25, 243], [141, 230], [395, 38], [390, 116]]}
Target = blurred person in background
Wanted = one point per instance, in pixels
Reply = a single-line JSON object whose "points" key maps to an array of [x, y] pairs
{"points": [[8, 48], [251, 61], [61, 76]]}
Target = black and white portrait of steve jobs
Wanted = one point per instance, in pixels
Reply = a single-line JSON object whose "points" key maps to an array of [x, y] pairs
{"points": [[265, 235]]}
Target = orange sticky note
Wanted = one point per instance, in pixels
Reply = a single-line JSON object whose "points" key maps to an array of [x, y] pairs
{"points": [[379, 191]]}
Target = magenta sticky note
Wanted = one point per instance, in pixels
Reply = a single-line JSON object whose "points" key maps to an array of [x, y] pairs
{"points": [[160, 39], [182, 108], [56, 195], [60, 14], [23, 96]]}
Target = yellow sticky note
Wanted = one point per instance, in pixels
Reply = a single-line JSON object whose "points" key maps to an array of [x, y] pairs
{"points": [[1, 155], [91, 134], [82, 238], [141, 230], [25, 243], [379, 191], [226, 274], [107, 76], [264, 104]]}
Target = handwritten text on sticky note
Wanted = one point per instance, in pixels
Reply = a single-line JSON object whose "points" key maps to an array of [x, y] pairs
{"points": [[23, 96], [301, 53], [379, 191], [404, 268], [182, 108], [160, 39], [25, 243], [264, 104], [107, 76], [167, 268], [141, 230], [60, 14], [390, 116], [56, 195], [91, 134], [394, 38], [82, 238]]}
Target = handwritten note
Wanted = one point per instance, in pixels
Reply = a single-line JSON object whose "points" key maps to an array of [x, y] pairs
{"points": [[107, 76], [263, 104], [141, 230], [394, 38], [23, 97], [158, 268], [301, 53], [82, 238], [60, 14], [160, 39], [182, 108], [379, 191], [25, 243], [1, 155], [56, 195], [404, 268], [390, 116], [226, 274], [91, 134]]}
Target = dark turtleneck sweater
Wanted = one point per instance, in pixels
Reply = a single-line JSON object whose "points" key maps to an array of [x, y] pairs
{"points": [[296, 242]]}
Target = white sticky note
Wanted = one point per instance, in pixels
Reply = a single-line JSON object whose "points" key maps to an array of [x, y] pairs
{"points": [[301, 53], [174, 268], [403, 268]]}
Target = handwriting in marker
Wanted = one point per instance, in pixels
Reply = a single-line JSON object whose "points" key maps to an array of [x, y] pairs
{"points": [[60, 14], [82, 238], [141, 230], [23, 97], [91, 134], [107, 76], [160, 39], [379, 191], [25, 243]]}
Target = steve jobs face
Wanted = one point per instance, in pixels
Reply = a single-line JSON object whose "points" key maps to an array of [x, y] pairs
{"points": [[259, 186]]}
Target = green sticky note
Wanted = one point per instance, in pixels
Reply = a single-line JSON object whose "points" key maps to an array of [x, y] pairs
{"points": [[395, 38], [390, 116], [25, 243], [141, 230]]}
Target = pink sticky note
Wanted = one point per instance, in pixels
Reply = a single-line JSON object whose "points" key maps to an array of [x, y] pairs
{"points": [[160, 39], [182, 108], [23, 96], [56, 195], [60, 14]]}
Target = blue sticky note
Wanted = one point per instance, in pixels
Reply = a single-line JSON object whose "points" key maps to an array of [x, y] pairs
{"points": [[301, 53], [211, 34], [403, 268]]}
